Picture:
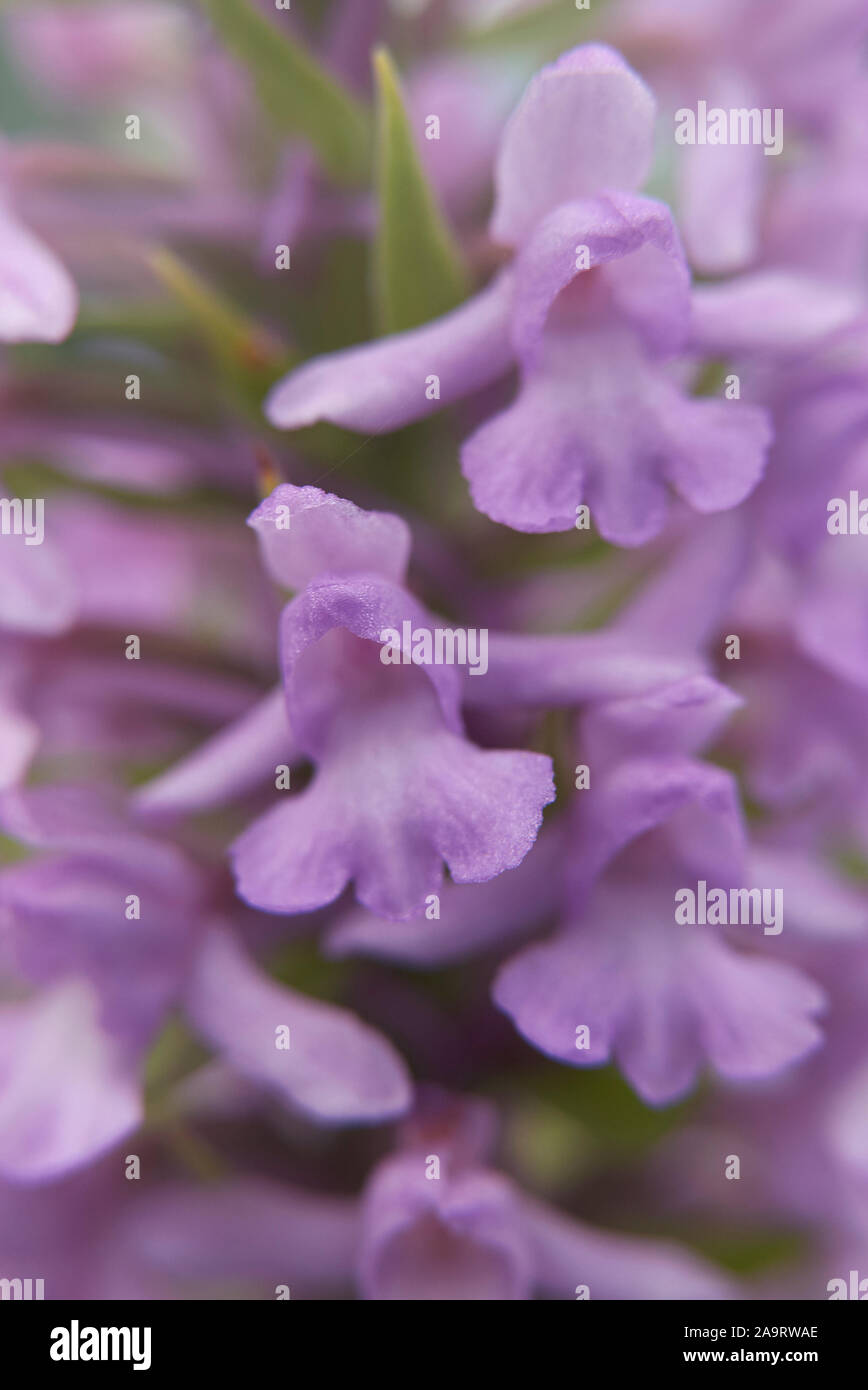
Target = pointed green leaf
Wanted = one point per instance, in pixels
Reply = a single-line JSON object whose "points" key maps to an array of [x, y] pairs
{"points": [[298, 95], [418, 271]]}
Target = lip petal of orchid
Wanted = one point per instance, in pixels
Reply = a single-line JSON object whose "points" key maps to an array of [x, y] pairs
{"points": [[662, 1004], [595, 422]]}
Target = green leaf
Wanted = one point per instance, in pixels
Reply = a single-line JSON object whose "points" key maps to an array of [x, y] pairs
{"points": [[247, 355], [299, 96], [418, 271]]}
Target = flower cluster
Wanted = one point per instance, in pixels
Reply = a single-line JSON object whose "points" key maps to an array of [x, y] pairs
{"points": [[434, 649]]}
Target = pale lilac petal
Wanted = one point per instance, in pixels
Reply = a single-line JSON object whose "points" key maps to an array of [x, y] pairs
{"points": [[847, 1122], [716, 449], [568, 670], [698, 805], [641, 273], [336, 1068], [830, 615], [304, 533], [612, 1266], [89, 822], [682, 607], [316, 671], [718, 207], [38, 592], [248, 1229], [362, 819], [457, 1238], [38, 300], [584, 124], [820, 903], [660, 998], [472, 97], [386, 384], [63, 916], [596, 423], [486, 805], [68, 1091], [678, 718], [19, 739], [93, 52], [770, 311], [235, 761], [472, 917], [721, 188], [131, 570]]}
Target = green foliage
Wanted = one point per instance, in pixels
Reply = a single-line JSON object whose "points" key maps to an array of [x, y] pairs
{"points": [[298, 95], [418, 271]]}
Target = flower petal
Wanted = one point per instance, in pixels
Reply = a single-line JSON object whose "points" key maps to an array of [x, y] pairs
{"points": [[584, 124], [614, 1266], [38, 300], [68, 1091], [384, 385], [335, 1068], [661, 998], [305, 533]]}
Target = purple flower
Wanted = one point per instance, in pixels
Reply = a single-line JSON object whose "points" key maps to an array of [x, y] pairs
{"points": [[784, 55], [399, 788], [662, 1000], [660, 997], [598, 294], [462, 1232], [110, 931]]}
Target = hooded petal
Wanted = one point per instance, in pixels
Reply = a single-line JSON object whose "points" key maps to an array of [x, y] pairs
{"points": [[584, 124], [305, 533], [458, 1238], [696, 804], [378, 733], [641, 274], [316, 671]]}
